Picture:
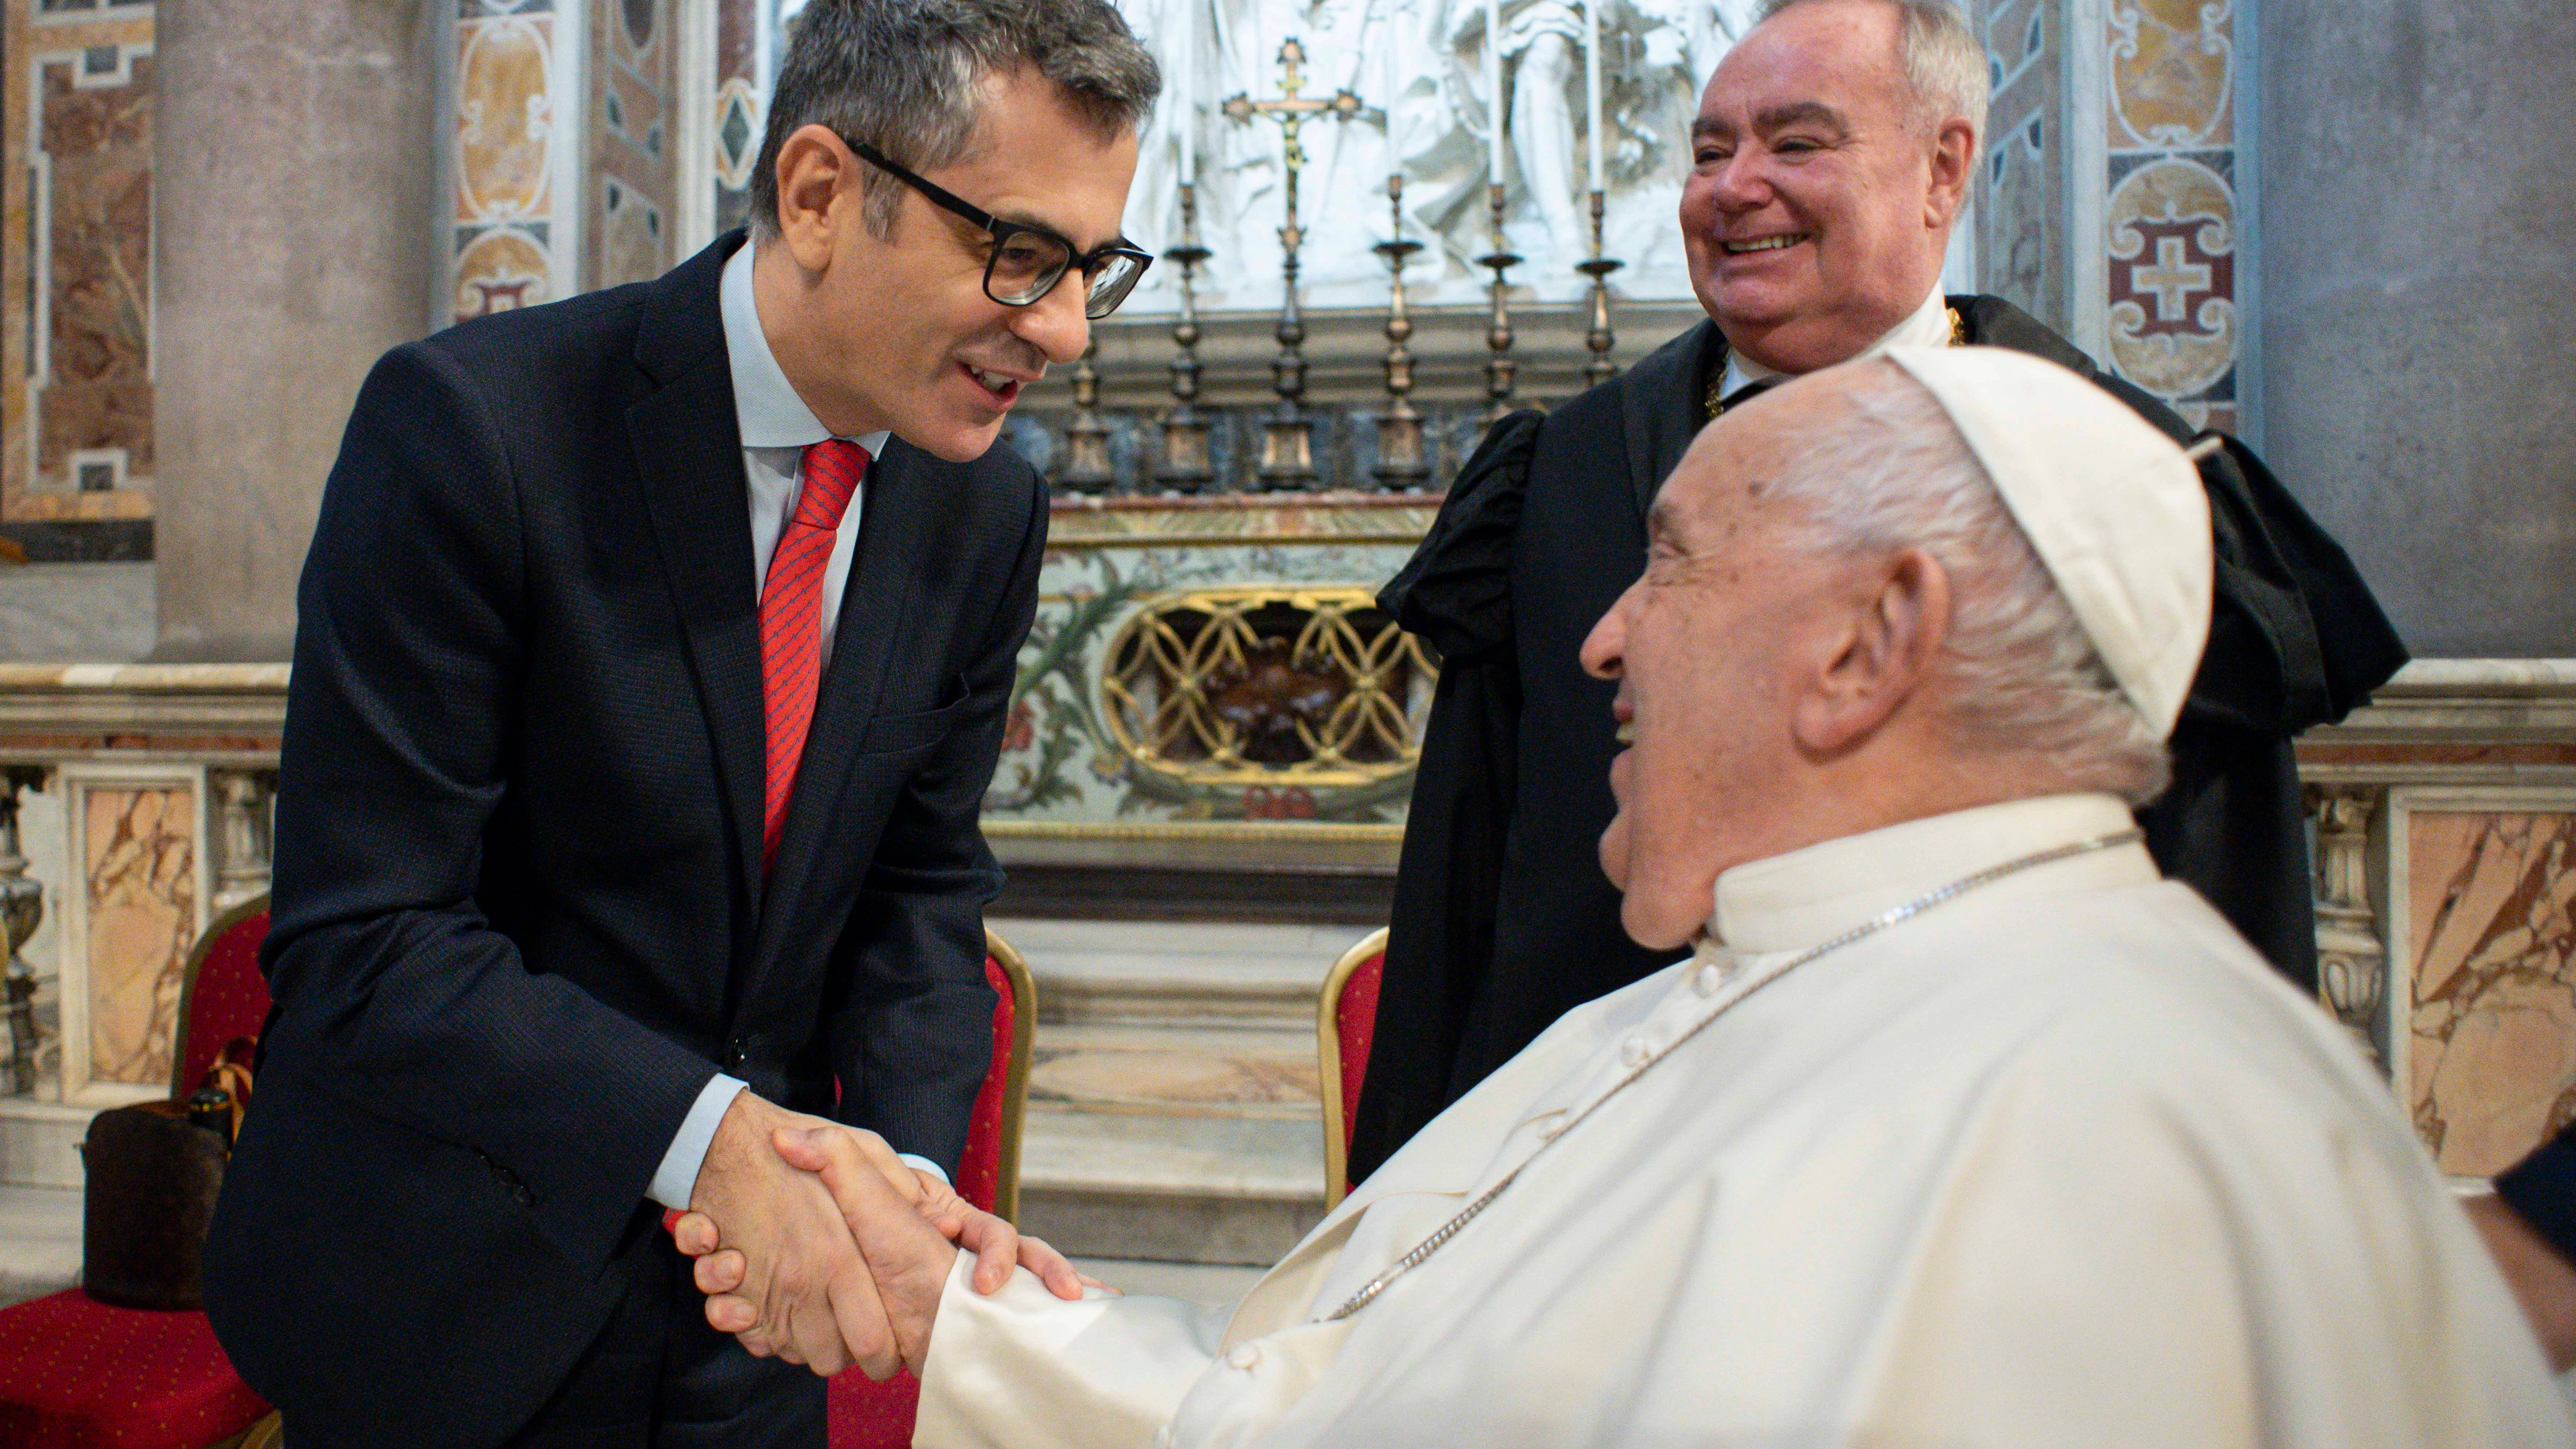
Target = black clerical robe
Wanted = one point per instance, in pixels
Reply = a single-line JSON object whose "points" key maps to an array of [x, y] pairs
{"points": [[1503, 920]]}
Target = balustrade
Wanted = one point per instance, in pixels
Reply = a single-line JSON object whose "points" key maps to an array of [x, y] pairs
{"points": [[1239, 715]]}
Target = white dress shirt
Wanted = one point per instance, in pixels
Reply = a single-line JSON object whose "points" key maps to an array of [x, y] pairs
{"points": [[777, 428], [1929, 326], [2056, 1164]]}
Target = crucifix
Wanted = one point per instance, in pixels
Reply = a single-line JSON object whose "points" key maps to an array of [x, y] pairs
{"points": [[1287, 441]]}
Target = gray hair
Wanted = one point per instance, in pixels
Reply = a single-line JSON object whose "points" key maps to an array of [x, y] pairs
{"points": [[1944, 65], [904, 76], [1890, 471]]}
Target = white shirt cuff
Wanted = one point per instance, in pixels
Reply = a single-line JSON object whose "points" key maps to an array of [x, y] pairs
{"points": [[925, 1164], [677, 1178]]}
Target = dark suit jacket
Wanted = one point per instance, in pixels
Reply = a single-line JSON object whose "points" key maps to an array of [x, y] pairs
{"points": [[519, 919], [1503, 920]]}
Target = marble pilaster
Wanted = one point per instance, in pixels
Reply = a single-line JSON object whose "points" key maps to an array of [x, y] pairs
{"points": [[293, 206]]}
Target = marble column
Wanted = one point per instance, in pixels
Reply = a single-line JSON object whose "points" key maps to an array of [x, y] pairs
{"points": [[2419, 333], [293, 200]]}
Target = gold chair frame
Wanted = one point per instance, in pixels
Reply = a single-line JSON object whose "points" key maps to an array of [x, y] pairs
{"points": [[197, 954], [1015, 1082], [1328, 1061]]}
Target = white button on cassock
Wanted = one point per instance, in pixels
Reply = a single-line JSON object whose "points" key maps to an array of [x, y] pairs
{"points": [[1244, 1356], [1633, 1051], [1707, 979]]}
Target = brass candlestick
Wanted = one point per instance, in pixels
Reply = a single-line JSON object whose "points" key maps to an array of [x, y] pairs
{"points": [[1186, 467], [1401, 466], [1288, 436], [1600, 369], [1500, 367], [1086, 439]]}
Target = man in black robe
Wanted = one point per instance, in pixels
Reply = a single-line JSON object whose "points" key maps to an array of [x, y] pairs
{"points": [[1831, 154]]}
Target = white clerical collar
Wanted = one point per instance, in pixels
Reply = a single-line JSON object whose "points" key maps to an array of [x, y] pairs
{"points": [[764, 401], [1928, 327], [1789, 902]]}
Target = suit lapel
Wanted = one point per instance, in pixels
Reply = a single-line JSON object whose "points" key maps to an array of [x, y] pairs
{"points": [[1660, 408], [688, 455], [873, 623]]}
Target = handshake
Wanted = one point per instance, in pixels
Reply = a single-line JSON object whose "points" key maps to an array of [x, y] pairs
{"points": [[816, 1243]]}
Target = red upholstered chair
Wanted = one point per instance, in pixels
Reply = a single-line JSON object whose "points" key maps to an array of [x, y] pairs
{"points": [[867, 1415], [76, 1373], [1345, 1019]]}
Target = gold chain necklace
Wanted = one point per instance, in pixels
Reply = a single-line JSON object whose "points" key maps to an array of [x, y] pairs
{"points": [[1423, 1250]]}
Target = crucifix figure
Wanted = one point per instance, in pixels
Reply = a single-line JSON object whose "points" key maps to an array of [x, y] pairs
{"points": [[1287, 444]]}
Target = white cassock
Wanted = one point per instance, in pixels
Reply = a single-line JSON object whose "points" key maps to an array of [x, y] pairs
{"points": [[2056, 1162]]}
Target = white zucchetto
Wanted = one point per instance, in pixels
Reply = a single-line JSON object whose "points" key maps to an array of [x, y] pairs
{"points": [[2112, 507]]}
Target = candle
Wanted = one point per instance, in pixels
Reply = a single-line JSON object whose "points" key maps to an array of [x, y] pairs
{"points": [[1185, 104], [1394, 84], [1494, 91], [1592, 84]]}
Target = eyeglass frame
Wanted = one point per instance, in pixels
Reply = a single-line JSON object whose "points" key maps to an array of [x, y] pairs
{"points": [[1001, 231]]}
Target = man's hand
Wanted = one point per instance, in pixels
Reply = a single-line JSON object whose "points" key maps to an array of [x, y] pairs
{"points": [[805, 1294], [2543, 1282], [994, 1242], [907, 1257]]}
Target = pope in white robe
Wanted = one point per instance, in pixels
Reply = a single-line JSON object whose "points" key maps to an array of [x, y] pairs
{"points": [[1960, 1126]]}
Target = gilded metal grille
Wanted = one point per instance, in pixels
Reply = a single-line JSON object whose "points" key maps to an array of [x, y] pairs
{"points": [[1267, 685]]}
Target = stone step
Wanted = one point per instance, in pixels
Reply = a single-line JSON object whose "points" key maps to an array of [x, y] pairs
{"points": [[1173, 1103]]}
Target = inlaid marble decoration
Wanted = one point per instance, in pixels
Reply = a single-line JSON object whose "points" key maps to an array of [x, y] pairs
{"points": [[138, 904], [2490, 1061], [512, 209], [2170, 203], [76, 442], [739, 112], [633, 158], [2020, 220], [1063, 762]]}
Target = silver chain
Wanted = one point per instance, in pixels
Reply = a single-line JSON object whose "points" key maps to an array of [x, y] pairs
{"points": [[1423, 1250]]}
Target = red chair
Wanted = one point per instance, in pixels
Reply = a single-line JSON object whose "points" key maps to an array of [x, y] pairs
{"points": [[1345, 1019], [863, 1414], [76, 1373]]}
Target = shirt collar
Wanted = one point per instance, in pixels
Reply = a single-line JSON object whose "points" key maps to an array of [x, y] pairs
{"points": [[764, 401], [1929, 326], [1806, 897]]}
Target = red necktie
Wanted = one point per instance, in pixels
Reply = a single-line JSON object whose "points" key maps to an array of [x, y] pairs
{"points": [[791, 614]]}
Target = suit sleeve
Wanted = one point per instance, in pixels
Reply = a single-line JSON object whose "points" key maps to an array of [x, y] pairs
{"points": [[1023, 1369], [911, 1031], [394, 990]]}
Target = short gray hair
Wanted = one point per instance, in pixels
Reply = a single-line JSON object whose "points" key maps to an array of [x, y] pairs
{"points": [[1944, 65], [903, 76], [1888, 471]]}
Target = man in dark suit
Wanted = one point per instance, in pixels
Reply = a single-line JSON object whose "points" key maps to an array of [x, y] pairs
{"points": [[1831, 155], [652, 660]]}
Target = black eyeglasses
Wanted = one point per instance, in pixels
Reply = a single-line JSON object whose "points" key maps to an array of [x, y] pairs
{"points": [[1028, 261]]}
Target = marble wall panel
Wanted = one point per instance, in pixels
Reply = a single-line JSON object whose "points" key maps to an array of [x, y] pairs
{"points": [[633, 184], [507, 222], [740, 112], [76, 426], [2169, 203], [2020, 215], [138, 905], [2491, 1028]]}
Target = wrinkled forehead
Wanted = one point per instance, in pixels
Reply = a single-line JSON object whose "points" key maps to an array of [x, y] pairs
{"points": [[1723, 484]]}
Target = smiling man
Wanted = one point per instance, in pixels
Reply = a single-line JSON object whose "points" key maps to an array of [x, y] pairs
{"points": [[1960, 1127], [653, 654], [1832, 153]]}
